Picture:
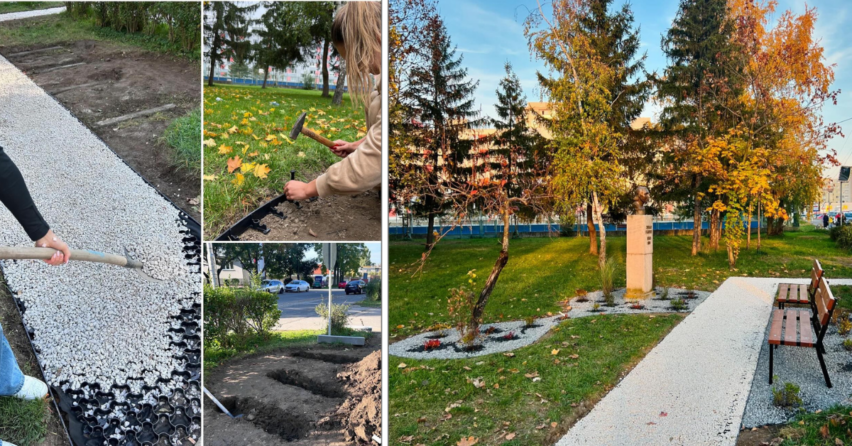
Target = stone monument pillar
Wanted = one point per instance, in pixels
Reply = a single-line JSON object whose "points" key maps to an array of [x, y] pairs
{"points": [[640, 249]]}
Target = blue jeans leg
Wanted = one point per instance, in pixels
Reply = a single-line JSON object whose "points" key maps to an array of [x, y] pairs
{"points": [[11, 378]]}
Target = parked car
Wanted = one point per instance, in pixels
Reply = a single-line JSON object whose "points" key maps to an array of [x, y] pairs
{"points": [[320, 282], [341, 284], [297, 286], [355, 287], [272, 286]]}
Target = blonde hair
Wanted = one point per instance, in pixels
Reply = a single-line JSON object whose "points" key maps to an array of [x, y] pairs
{"points": [[358, 28]]}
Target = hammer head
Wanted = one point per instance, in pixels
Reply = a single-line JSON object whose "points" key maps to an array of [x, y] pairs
{"points": [[297, 127]]}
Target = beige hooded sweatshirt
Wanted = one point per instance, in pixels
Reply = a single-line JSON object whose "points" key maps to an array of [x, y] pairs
{"points": [[362, 169]]}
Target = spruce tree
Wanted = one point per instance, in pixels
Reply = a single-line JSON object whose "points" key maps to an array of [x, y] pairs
{"points": [[283, 36], [441, 95], [699, 47], [227, 30]]}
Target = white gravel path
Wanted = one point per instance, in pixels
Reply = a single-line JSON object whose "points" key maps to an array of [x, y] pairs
{"points": [[28, 14], [93, 323], [691, 388]]}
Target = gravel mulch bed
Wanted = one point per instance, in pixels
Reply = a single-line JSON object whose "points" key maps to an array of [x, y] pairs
{"points": [[413, 347], [800, 366]]}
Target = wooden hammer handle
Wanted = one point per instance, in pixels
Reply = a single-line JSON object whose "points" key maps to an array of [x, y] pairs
{"points": [[318, 138], [14, 252]]}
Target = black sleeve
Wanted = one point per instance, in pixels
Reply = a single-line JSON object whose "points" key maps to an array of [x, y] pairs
{"points": [[16, 197]]}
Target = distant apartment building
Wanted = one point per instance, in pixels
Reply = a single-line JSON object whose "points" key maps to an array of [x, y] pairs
{"points": [[292, 76], [830, 196]]}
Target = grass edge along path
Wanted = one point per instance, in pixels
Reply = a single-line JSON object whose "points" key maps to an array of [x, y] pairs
{"points": [[530, 396], [10, 7]]}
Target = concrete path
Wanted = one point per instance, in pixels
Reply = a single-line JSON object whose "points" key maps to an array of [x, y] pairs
{"points": [[692, 388], [28, 14]]}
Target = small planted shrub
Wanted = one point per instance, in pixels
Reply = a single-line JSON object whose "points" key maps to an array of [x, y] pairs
{"points": [[637, 306], [460, 308], [509, 336], [607, 273], [373, 290], [582, 295], [679, 304], [844, 326], [529, 321], [847, 344], [308, 81], [787, 396], [490, 330], [596, 307], [431, 344], [339, 316]]}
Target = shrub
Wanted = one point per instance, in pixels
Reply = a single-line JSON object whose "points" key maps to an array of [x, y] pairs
{"points": [[608, 280], [233, 315], [460, 308], [374, 290], [308, 82], [844, 326], [847, 344], [339, 316], [787, 396], [679, 304], [842, 235], [529, 321]]}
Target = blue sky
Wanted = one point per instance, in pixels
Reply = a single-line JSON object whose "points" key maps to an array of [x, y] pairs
{"points": [[374, 247], [490, 32]]}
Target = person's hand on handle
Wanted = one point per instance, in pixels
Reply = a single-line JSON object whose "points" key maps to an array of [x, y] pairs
{"points": [[297, 190], [344, 148], [50, 240]]}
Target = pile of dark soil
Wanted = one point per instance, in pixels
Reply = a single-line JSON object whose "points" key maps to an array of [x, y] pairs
{"points": [[361, 413]]}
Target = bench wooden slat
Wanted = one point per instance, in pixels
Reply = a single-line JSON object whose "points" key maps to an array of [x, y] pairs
{"points": [[824, 301], [803, 294], [806, 331], [775, 329], [790, 332], [782, 292]]}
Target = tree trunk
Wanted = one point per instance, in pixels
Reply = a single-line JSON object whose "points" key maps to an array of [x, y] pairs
{"points": [[593, 236], [748, 237], [212, 67], [325, 67], [714, 221], [759, 222], [598, 212], [265, 76], [696, 226], [502, 259], [430, 236], [337, 100]]}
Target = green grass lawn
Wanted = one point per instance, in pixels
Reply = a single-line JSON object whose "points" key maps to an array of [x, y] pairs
{"points": [[543, 271], [58, 28], [184, 137], [248, 130], [215, 355], [7, 7], [822, 429], [436, 403], [23, 422]]}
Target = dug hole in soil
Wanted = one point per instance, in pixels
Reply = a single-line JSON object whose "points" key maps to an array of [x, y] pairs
{"points": [[317, 395], [116, 80], [338, 217]]}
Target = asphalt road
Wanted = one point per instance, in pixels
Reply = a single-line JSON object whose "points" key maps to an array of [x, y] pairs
{"points": [[297, 310]]}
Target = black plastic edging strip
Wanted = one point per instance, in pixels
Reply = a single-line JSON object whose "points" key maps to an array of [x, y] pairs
{"points": [[38, 360], [233, 233]]}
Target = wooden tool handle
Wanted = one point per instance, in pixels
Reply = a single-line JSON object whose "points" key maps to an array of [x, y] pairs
{"points": [[320, 139], [13, 252]]}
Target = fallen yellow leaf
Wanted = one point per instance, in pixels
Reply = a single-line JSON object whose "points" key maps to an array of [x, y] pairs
{"points": [[210, 143], [247, 167], [238, 180], [223, 149], [261, 171], [209, 177]]}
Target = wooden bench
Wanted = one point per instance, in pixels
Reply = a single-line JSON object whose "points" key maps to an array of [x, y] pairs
{"points": [[797, 327], [800, 294]]}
